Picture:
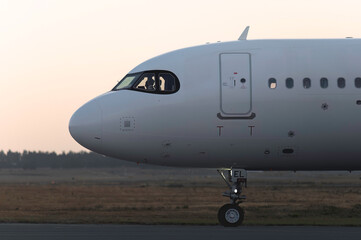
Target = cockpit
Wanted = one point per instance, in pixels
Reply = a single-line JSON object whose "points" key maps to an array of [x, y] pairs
{"points": [[158, 82]]}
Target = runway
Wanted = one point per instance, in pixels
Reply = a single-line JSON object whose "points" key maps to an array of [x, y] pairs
{"points": [[150, 232]]}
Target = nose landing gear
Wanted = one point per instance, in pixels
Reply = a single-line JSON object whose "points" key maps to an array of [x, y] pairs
{"points": [[231, 215]]}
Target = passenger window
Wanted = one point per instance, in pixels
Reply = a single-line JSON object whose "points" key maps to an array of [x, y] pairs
{"points": [[146, 82], [341, 83], [306, 83], [289, 83], [358, 82], [324, 83], [272, 83], [167, 82]]}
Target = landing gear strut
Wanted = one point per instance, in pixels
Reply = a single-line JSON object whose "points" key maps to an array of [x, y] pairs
{"points": [[231, 215]]}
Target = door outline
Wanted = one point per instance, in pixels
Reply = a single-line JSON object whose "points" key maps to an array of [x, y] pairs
{"points": [[223, 114]]}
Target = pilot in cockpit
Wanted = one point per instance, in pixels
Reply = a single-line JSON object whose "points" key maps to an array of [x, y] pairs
{"points": [[150, 84]]}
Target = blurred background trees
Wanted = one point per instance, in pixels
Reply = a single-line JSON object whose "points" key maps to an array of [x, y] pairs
{"points": [[33, 160]]}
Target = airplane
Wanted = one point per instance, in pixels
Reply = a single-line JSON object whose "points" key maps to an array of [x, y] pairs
{"points": [[282, 104]]}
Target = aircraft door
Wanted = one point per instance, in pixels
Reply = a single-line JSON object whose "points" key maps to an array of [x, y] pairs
{"points": [[236, 85]]}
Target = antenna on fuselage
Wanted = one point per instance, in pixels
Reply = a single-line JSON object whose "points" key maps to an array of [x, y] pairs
{"points": [[244, 34]]}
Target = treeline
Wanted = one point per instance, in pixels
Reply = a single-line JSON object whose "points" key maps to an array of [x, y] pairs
{"points": [[33, 160]]}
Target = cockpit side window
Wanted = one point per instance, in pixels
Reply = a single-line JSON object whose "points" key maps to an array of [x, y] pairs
{"points": [[146, 82], [167, 82]]}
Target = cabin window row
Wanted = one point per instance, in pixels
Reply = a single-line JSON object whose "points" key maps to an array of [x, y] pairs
{"points": [[306, 83]]}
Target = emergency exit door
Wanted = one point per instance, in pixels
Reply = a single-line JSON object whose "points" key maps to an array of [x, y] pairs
{"points": [[235, 84]]}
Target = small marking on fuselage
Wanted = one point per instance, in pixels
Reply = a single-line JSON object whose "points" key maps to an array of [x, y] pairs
{"points": [[127, 124], [251, 130], [219, 130]]}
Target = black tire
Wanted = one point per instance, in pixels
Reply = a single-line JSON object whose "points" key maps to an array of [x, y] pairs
{"points": [[230, 215]]}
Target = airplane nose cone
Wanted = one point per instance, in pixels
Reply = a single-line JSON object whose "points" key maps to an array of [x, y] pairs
{"points": [[85, 126]]}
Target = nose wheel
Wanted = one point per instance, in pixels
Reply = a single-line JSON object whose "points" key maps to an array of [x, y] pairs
{"points": [[231, 215]]}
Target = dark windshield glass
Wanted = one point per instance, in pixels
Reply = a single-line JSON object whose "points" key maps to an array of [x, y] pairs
{"points": [[153, 81], [127, 82], [167, 82], [146, 82]]}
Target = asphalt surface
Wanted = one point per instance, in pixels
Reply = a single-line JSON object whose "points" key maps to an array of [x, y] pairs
{"points": [[149, 232]]}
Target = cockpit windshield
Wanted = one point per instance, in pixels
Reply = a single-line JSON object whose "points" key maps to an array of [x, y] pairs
{"points": [[157, 82], [127, 82]]}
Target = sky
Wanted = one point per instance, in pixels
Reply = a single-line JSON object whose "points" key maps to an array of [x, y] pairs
{"points": [[57, 55]]}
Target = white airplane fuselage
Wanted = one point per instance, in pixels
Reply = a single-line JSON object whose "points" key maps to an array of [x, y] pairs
{"points": [[228, 113]]}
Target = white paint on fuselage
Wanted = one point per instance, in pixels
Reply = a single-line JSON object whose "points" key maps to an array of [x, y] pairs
{"points": [[182, 129]]}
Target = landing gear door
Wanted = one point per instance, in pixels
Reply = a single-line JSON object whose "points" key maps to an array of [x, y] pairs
{"points": [[235, 73]]}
